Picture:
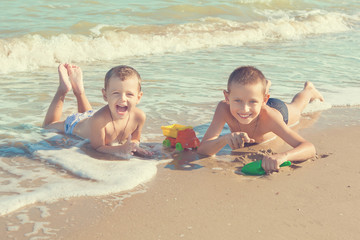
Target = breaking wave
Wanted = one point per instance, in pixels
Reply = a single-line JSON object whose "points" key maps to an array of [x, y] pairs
{"points": [[105, 42]]}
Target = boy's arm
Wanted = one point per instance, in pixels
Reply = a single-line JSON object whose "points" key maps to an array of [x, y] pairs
{"points": [[211, 142], [302, 149], [136, 135], [140, 119], [124, 150]]}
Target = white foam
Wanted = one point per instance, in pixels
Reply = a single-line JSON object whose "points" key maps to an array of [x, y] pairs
{"points": [[97, 29], [13, 228], [33, 51], [23, 218], [343, 96], [44, 211], [40, 227], [84, 176], [316, 106], [254, 1]]}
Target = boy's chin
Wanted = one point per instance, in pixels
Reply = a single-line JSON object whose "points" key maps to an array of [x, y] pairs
{"points": [[122, 114], [242, 121], [245, 120]]}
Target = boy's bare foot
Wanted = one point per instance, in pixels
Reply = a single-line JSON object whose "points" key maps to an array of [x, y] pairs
{"points": [[64, 82], [76, 79], [315, 93]]}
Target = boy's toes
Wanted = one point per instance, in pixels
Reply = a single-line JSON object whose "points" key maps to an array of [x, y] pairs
{"points": [[64, 82]]}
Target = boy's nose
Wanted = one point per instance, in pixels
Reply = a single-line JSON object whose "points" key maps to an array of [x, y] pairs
{"points": [[122, 97], [245, 107]]}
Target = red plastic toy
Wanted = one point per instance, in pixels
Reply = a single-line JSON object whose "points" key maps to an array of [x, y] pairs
{"points": [[180, 137]]}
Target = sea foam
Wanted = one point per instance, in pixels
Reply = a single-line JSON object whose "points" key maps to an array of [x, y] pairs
{"points": [[106, 42], [76, 174]]}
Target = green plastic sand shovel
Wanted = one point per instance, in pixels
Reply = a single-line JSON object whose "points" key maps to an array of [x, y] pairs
{"points": [[254, 168]]}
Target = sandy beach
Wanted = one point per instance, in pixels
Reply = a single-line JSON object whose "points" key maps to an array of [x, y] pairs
{"points": [[316, 199], [56, 186]]}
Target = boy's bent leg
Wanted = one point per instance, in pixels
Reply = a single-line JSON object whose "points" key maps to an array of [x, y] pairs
{"points": [[77, 84], [301, 100], [55, 109], [83, 103]]}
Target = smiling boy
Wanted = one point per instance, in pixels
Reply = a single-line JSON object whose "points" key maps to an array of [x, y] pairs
{"points": [[253, 118], [116, 127]]}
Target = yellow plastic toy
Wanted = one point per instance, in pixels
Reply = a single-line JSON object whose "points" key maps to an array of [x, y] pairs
{"points": [[180, 137]]}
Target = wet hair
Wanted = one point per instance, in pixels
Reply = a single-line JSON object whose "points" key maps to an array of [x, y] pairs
{"points": [[246, 75], [122, 72]]}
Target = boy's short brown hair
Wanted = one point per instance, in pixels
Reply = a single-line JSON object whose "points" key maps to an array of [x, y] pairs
{"points": [[246, 75], [122, 72]]}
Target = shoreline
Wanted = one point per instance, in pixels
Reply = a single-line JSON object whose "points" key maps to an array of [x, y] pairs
{"points": [[313, 199]]}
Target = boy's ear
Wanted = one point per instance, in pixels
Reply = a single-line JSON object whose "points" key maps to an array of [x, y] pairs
{"points": [[226, 95], [139, 97], [104, 94], [266, 98]]}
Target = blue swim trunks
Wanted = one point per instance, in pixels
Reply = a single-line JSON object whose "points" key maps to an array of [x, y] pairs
{"points": [[74, 119], [280, 106]]}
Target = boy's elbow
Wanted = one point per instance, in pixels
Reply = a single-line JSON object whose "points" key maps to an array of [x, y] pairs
{"points": [[202, 150], [311, 149], [45, 125], [96, 145]]}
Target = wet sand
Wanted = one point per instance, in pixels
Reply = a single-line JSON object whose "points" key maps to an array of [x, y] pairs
{"points": [[206, 198]]}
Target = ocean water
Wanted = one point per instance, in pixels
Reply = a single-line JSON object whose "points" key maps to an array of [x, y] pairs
{"points": [[184, 51]]}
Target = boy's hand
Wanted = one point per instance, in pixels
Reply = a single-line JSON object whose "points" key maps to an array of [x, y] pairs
{"points": [[238, 139], [128, 147], [272, 163], [143, 152]]}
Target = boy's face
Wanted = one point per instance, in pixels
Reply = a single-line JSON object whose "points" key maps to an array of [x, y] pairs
{"points": [[122, 96], [245, 101]]}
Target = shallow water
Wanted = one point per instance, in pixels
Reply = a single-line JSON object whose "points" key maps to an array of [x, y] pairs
{"points": [[184, 53]]}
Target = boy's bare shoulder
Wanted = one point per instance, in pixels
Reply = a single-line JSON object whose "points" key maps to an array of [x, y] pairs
{"points": [[102, 115], [271, 116], [223, 103], [222, 106], [139, 114]]}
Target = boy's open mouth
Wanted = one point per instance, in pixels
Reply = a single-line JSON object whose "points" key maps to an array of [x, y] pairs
{"points": [[121, 109]]}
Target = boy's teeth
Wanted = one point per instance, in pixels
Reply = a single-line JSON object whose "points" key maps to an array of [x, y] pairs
{"points": [[121, 109]]}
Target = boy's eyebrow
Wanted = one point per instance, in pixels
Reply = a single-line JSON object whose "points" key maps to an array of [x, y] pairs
{"points": [[126, 91], [239, 98]]}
